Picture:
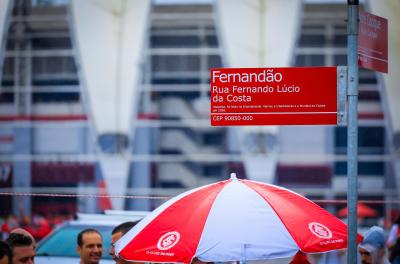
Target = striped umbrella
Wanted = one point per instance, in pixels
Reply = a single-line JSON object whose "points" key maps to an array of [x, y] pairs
{"points": [[233, 220]]}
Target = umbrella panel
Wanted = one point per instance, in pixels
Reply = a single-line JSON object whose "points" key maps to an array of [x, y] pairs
{"points": [[176, 225], [241, 225]]}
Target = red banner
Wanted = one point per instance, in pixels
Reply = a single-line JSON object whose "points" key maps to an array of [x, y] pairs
{"points": [[373, 42], [273, 96]]}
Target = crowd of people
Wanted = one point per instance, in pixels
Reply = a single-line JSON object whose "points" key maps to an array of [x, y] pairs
{"points": [[20, 245], [90, 247], [37, 225]]}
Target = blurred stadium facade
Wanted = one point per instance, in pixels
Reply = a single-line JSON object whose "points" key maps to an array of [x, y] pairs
{"points": [[112, 97]]}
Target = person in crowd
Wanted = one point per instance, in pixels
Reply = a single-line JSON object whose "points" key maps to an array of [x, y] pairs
{"points": [[40, 226], [394, 256], [9, 223], [393, 233], [5, 253], [21, 248], [90, 246], [372, 248], [25, 233], [116, 234], [196, 260]]}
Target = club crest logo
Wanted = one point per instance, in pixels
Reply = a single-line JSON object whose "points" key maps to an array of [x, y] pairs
{"points": [[320, 230], [168, 240]]}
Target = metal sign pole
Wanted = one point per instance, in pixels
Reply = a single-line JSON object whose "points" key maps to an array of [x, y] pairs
{"points": [[352, 128]]}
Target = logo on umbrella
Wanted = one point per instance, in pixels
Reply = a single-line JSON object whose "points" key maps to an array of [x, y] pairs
{"points": [[320, 230], [168, 240]]}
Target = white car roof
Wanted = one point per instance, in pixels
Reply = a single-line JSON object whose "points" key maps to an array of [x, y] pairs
{"points": [[111, 217]]}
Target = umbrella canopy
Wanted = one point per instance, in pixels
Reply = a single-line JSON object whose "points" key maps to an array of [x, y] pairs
{"points": [[233, 220], [362, 211]]}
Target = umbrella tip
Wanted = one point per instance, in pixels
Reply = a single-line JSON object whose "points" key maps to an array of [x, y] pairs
{"points": [[233, 176]]}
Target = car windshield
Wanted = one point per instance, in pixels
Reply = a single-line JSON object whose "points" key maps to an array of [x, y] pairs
{"points": [[62, 242]]}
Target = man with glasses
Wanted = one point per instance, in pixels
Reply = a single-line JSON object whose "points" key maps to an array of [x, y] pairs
{"points": [[372, 248], [116, 234]]}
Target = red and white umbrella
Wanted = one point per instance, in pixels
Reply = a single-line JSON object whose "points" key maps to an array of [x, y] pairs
{"points": [[233, 220]]}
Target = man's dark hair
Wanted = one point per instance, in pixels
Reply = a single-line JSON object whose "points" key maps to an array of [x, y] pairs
{"points": [[5, 250], [18, 240], [85, 231], [124, 227]]}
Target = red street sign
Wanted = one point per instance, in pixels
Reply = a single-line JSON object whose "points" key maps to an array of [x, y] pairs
{"points": [[273, 96], [373, 42]]}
